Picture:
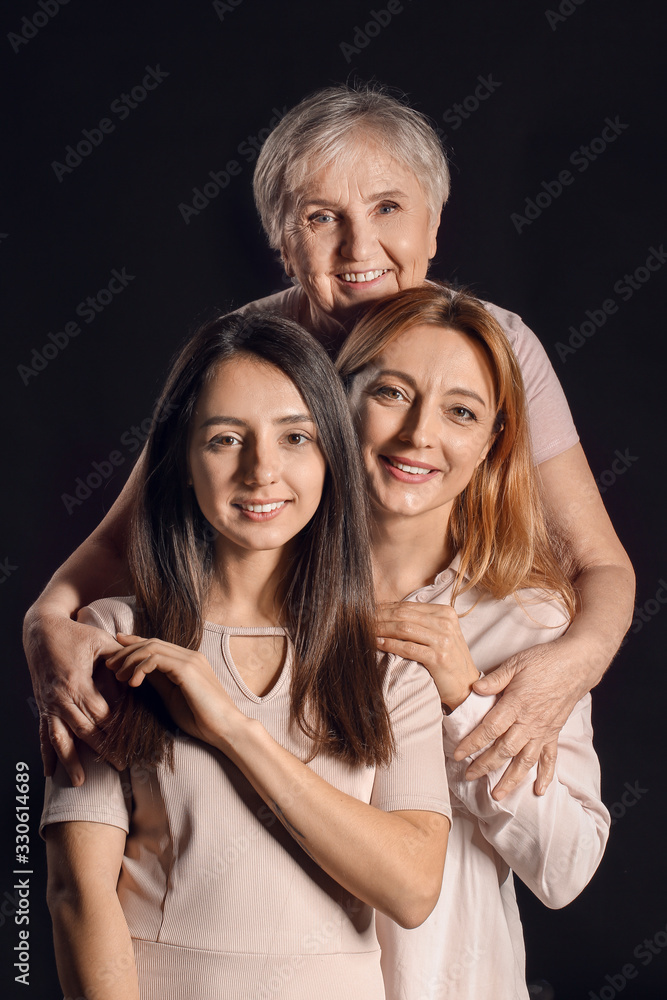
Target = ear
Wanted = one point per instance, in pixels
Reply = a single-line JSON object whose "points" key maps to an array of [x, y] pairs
{"points": [[433, 234]]}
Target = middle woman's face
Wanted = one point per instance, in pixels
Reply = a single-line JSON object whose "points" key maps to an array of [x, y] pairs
{"points": [[254, 462], [425, 412]]}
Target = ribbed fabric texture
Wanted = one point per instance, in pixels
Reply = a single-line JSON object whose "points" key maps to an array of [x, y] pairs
{"points": [[221, 902]]}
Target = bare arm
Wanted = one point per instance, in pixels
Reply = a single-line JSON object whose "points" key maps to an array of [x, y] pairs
{"points": [[391, 860], [92, 941], [543, 684], [61, 652]]}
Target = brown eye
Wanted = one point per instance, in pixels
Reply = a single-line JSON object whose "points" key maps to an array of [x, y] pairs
{"points": [[390, 392], [463, 413]]}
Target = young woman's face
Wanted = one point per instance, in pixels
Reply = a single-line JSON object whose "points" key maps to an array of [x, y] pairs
{"points": [[254, 461], [425, 411]]}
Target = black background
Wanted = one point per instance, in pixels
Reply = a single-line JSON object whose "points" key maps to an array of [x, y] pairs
{"points": [[556, 80]]}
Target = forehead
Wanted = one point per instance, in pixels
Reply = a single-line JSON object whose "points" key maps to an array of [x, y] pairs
{"points": [[250, 387], [438, 359], [360, 167]]}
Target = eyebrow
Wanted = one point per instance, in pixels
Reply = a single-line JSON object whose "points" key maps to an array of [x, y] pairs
{"points": [[291, 418], [457, 390], [395, 193]]}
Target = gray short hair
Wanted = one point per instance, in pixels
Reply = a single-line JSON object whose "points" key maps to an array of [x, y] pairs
{"points": [[323, 128]]}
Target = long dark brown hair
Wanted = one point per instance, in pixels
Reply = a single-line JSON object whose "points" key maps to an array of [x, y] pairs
{"points": [[328, 609]]}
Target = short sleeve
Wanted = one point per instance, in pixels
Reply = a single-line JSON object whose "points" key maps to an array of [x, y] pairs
{"points": [[552, 429], [416, 778], [104, 797]]}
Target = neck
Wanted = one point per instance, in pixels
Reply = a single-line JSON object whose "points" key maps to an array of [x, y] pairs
{"points": [[247, 586], [408, 552], [330, 332]]}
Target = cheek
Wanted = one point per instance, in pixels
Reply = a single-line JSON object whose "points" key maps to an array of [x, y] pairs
{"points": [[381, 425], [207, 481], [309, 255]]}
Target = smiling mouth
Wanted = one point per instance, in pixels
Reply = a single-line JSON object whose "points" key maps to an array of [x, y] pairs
{"points": [[262, 508], [413, 470], [408, 473], [359, 277]]}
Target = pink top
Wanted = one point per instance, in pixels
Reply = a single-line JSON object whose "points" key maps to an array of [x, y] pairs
{"points": [[471, 947], [551, 426], [221, 902]]}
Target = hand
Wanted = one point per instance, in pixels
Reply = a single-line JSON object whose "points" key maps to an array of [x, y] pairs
{"points": [[61, 654], [539, 696], [430, 634], [184, 679]]}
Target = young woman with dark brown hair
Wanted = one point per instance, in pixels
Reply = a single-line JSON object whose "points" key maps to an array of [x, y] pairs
{"points": [[250, 562]]}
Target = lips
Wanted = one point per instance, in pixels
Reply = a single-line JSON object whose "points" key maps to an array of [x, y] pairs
{"points": [[408, 472], [361, 277], [261, 510]]}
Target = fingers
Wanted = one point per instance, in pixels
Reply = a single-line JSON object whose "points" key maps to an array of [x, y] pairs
{"points": [[128, 640], [524, 762], [496, 680], [546, 767], [62, 741], [428, 615], [406, 650], [416, 636], [494, 725], [49, 756], [94, 713], [141, 657], [134, 653]]}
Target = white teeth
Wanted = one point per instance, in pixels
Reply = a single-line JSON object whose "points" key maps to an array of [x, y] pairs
{"points": [[363, 275], [261, 508], [412, 469]]}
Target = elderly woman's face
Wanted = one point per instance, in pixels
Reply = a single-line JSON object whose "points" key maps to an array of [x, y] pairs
{"points": [[357, 233]]}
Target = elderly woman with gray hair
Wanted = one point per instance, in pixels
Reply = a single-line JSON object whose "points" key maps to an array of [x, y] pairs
{"points": [[350, 187]]}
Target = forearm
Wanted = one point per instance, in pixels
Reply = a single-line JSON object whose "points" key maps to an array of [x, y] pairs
{"points": [[93, 945], [92, 941], [600, 567], [96, 569], [606, 595], [385, 859], [553, 842]]}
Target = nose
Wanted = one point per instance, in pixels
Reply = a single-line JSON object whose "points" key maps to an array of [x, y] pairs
{"points": [[420, 428], [359, 239], [262, 464]]}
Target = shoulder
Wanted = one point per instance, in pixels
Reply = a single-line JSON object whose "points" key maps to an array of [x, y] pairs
{"points": [[408, 683], [520, 336], [113, 614], [285, 302]]}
